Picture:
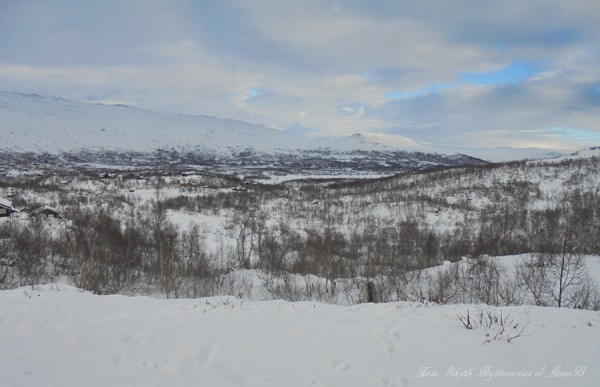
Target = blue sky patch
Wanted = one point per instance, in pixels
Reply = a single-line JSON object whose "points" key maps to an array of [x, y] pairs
{"points": [[516, 72], [254, 93], [425, 90]]}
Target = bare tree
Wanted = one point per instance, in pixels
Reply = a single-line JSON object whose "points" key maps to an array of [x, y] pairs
{"points": [[566, 273], [241, 228], [558, 279], [484, 280], [442, 285]]}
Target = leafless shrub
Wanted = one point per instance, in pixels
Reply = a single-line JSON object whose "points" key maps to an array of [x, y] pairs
{"points": [[497, 327], [442, 287]]}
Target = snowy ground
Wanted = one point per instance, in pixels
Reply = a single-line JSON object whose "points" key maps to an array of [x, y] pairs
{"points": [[56, 335]]}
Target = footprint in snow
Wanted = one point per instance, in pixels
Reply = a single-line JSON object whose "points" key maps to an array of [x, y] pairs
{"points": [[339, 365]]}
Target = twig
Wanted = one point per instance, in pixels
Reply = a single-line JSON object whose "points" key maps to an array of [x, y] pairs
{"points": [[465, 320], [520, 333]]}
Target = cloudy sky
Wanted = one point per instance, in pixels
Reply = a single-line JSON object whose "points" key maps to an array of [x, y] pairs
{"points": [[447, 73]]}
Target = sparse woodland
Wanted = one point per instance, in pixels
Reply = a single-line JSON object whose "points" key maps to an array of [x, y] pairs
{"points": [[436, 236]]}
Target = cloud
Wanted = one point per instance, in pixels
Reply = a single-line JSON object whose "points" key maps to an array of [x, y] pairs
{"points": [[491, 115], [452, 72]]}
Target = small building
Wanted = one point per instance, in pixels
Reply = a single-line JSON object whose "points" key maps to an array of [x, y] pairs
{"points": [[47, 211], [6, 208]]}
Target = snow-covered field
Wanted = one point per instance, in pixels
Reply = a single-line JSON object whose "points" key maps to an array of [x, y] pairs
{"points": [[57, 335]]}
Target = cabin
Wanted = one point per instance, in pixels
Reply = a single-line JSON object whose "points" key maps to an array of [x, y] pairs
{"points": [[6, 208], [47, 211]]}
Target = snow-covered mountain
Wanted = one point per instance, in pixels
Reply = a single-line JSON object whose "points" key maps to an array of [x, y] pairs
{"points": [[86, 132], [33, 123]]}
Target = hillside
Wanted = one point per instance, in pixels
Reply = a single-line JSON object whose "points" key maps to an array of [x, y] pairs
{"points": [[33, 123], [184, 234]]}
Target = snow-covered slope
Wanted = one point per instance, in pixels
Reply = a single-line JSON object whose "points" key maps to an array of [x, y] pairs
{"points": [[34, 123], [581, 154], [46, 124], [56, 335]]}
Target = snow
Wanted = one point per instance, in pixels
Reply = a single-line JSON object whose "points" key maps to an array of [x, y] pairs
{"points": [[33, 123], [500, 154], [57, 335], [581, 154], [5, 203], [278, 179]]}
